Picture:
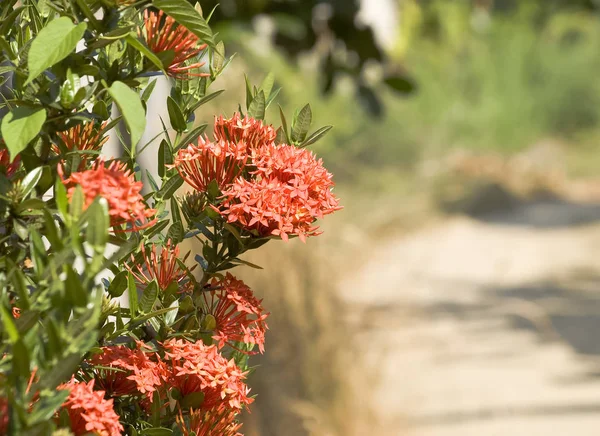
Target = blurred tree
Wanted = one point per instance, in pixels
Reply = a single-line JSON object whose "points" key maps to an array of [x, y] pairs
{"points": [[328, 28]]}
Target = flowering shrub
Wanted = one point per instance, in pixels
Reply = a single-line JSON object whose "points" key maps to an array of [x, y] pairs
{"points": [[107, 327]]}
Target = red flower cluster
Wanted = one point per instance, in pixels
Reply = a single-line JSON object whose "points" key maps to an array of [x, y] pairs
{"points": [[6, 166], [218, 421], [82, 137], [166, 35], [163, 268], [283, 190], [238, 315], [221, 161], [196, 367], [89, 412], [249, 130], [117, 185], [290, 189], [136, 372]]}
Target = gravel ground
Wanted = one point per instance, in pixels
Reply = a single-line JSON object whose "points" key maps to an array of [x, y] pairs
{"points": [[485, 326]]}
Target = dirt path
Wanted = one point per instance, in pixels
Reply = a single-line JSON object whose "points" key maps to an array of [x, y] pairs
{"points": [[486, 327]]}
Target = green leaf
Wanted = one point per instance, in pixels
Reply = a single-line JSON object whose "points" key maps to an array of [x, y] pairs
{"points": [[60, 194], [46, 406], [218, 57], [98, 224], [20, 126], [284, 125], [176, 116], [19, 284], [267, 84], [156, 431], [74, 289], [54, 43], [30, 181], [170, 186], [258, 106], [148, 90], [280, 137], [130, 105], [77, 202], [176, 233], [245, 262], [101, 110], [400, 84], [9, 325], [118, 284], [21, 360], [133, 295], [206, 99], [139, 46], [149, 297], [59, 373], [301, 124], [185, 14], [192, 401], [316, 136]]}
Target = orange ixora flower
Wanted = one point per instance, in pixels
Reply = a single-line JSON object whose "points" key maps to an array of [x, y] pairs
{"points": [[196, 367], [164, 34], [290, 189], [137, 371], [163, 268], [117, 185], [238, 315], [83, 137], [89, 412], [218, 421], [249, 130], [221, 161]]}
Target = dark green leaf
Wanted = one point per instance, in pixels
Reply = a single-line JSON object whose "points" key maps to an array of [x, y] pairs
{"points": [[74, 289], [149, 297], [20, 126], [148, 90], [133, 295], [176, 233], [206, 99], [301, 124], [317, 135], [176, 116], [192, 401], [46, 406], [139, 46], [64, 36], [118, 284], [400, 84], [59, 373], [170, 186], [156, 431], [185, 14], [284, 126], [21, 358], [258, 106]]}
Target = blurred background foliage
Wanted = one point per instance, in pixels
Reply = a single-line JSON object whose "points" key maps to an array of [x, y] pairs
{"points": [[479, 81], [488, 75]]}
